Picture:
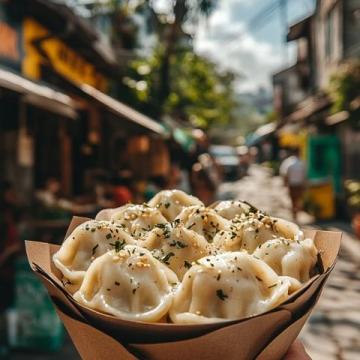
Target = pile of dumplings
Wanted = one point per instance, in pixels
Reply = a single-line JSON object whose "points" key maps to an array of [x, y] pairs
{"points": [[175, 260]]}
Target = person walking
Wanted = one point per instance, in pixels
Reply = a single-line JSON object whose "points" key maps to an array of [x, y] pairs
{"points": [[293, 171]]}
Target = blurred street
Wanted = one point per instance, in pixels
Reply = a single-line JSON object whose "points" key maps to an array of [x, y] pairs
{"points": [[333, 331], [105, 103]]}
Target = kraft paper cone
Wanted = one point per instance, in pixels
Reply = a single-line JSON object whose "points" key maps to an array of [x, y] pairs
{"points": [[100, 336], [278, 347]]}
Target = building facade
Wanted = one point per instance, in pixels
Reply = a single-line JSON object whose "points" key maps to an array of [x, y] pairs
{"points": [[57, 117], [326, 41]]}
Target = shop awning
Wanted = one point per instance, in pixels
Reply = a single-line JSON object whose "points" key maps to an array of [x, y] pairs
{"points": [[266, 129], [38, 95], [337, 118], [119, 108], [261, 133], [309, 107]]}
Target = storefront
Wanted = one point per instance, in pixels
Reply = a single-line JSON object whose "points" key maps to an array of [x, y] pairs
{"points": [[23, 103], [63, 124]]}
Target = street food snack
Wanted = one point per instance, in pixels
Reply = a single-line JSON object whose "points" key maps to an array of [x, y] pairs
{"points": [[87, 242], [231, 285], [171, 202], [177, 246], [175, 260], [138, 219], [290, 258], [130, 284]]}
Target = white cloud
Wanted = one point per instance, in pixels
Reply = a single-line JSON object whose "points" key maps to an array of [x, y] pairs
{"points": [[226, 41]]}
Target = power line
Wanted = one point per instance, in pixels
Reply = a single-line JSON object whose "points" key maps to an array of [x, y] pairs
{"points": [[258, 20]]}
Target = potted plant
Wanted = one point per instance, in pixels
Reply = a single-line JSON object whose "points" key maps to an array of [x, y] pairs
{"points": [[353, 199]]}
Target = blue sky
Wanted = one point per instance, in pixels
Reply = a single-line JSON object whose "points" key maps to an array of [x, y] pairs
{"points": [[254, 53]]}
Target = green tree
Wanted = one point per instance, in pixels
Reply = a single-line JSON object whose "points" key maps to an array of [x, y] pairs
{"points": [[173, 80], [199, 94]]}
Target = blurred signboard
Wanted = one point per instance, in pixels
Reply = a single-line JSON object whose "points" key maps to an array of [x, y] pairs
{"points": [[43, 48], [11, 50]]}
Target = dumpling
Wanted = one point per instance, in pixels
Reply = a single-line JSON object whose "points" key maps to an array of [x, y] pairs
{"points": [[228, 286], [171, 202], [290, 258], [250, 230], [105, 214], [230, 208], [138, 219], [204, 221], [88, 241], [130, 284], [177, 246]]}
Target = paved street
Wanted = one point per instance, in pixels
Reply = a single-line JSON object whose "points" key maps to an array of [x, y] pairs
{"points": [[333, 331]]}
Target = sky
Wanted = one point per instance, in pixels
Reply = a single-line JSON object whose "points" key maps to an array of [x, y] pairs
{"points": [[253, 52]]}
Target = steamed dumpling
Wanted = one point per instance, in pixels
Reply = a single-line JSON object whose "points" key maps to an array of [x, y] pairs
{"points": [[228, 286], [249, 231], [204, 221], [87, 242], [291, 258], [130, 284], [171, 202], [138, 219], [105, 214], [177, 246], [230, 208]]}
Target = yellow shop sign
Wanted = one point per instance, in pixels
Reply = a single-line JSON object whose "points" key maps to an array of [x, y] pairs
{"points": [[41, 49]]}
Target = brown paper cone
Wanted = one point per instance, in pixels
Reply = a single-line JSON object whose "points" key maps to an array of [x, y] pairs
{"points": [[101, 336]]}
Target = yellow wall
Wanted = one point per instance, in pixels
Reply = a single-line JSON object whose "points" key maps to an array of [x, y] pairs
{"points": [[62, 58]]}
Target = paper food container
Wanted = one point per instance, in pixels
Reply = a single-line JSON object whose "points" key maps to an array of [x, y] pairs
{"points": [[265, 336]]}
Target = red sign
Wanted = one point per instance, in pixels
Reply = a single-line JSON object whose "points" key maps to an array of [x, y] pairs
{"points": [[9, 42]]}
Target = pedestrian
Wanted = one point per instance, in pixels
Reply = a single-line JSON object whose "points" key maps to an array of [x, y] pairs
{"points": [[122, 188], [293, 171]]}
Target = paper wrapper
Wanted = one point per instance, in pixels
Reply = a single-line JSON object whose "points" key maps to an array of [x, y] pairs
{"points": [[266, 336]]}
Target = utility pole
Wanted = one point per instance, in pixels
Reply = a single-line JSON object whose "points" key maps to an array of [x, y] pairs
{"points": [[284, 24]]}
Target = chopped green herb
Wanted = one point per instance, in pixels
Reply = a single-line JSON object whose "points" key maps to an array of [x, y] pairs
{"points": [[220, 294], [119, 245], [161, 226], [94, 249], [218, 277], [189, 227], [271, 286], [187, 264], [167, 257], [167, 205], [117, 283], [108, 236], [257, 278]]}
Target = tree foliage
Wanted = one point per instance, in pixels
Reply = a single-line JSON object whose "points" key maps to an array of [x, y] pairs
{"points": [[173, 80], [199, 94], [345, 85]]}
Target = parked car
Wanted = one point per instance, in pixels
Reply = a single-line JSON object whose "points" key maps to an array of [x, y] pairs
{"points": [[227, 158]]}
